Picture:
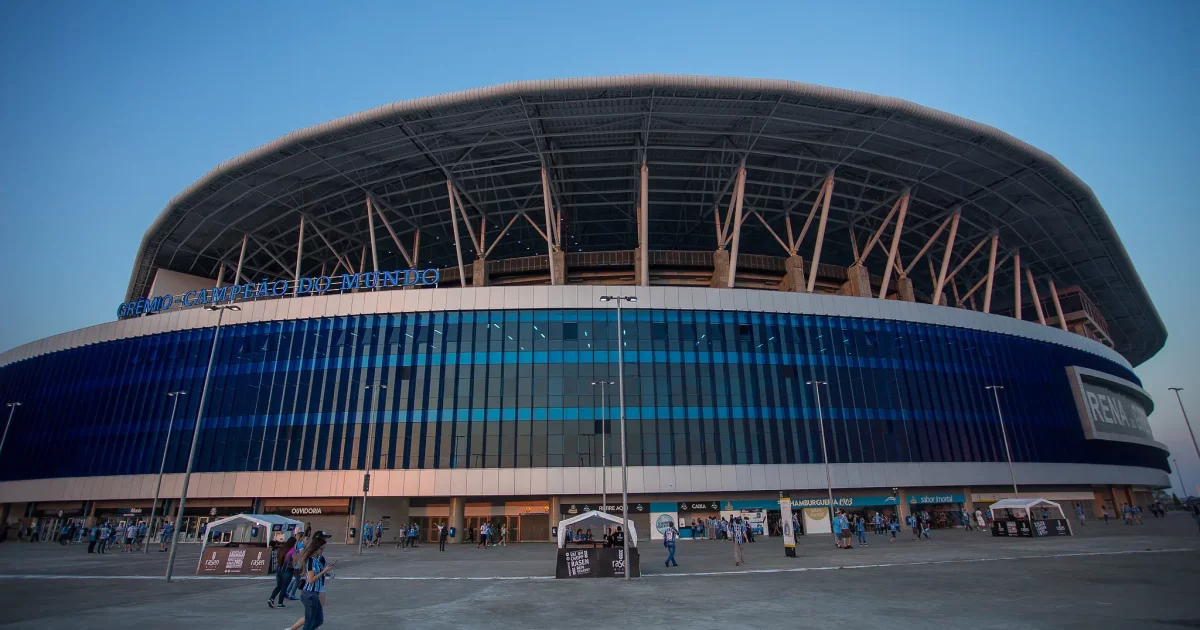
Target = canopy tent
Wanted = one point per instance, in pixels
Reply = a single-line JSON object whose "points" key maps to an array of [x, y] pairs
{"points": [[597, 520], [1029, 505], [241, 526]]}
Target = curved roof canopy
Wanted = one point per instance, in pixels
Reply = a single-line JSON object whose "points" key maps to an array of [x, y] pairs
{"points": [[592, 135]]}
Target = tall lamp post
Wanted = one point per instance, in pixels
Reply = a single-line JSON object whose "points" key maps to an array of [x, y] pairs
{"points": [[187, 475], [621, 394], [1004, 434], [163, 466], [1185, 420], [603, 441], [824, 451], [362, 517], [12, 409]]}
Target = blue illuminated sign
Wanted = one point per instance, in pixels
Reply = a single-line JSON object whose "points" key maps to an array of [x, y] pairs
{"points": [[304, 286]]}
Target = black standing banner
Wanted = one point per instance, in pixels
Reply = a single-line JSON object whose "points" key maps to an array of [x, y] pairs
{"points": [[1051, 527], [596, 562], [1017, 527]]}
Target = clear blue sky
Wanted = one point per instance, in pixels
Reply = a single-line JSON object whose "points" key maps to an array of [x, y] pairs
{"points": [[110, 109]]}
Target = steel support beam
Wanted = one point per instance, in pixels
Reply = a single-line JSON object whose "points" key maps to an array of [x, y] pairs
{"points": [[826, 192], [1017, 284], [891, 262], [476, 242], [1062, 321], [237, 274], [1037, 302], [644, 228], [991, 274], [549, 230], [299, 256], [929, 243], [739, 199], [866, 251], [502, 233], [462, 273], [411, 260], [940, 283], [345, 262], [371, 235]]}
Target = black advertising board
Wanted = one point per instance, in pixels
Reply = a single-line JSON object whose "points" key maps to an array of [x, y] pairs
{"points": [[234, 561], [1051, 527], [1011, 527], [596, 562]]}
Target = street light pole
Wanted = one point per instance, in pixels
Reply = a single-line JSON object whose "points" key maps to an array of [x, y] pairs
{"points": [[621, 395], [1185, 420], [1007, 451], [824, 451], [163, 466], [603, 442], [12, 409], [187, 475], [362, 517]]}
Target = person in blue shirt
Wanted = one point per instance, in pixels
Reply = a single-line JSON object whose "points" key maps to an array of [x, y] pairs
{"points": [[878, 524], [894, 526], [378, 533], [861, 530], [836, 523], [911, 521]]}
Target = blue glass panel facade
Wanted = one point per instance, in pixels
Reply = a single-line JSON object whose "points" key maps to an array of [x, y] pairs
{"points": [[513, 388]]}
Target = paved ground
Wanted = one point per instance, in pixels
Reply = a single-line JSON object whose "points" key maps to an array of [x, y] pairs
{"points": [[1113, 576]]}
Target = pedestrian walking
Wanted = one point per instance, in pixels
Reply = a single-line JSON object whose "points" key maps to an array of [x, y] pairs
{"points": [[836, 524], [860, 530], [443, 536], [980, 519], [966, 517], [846, 531], [670, 535], [1079, 513], [504, 534], [317, 572], [737, 534], [1105, 509], [878, 519], [164, 537], [911, 521], [283, 572], [413, 532], [105, 533], [302, 541], [483, 536], [894, 526], [925, 524]]}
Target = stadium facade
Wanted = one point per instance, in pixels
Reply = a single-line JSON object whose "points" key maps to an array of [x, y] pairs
{"points": [[419, 293]]}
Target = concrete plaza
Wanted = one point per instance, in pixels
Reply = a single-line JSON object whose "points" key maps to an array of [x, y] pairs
{"points": [[1106, 576]]}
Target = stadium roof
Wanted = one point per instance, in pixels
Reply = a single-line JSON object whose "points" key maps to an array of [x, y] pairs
{"points": [[693, 132]]}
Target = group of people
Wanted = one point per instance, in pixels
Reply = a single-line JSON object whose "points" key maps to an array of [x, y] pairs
{"points": [[300, 565], [406, 535], [715, 528], [489, 535]]}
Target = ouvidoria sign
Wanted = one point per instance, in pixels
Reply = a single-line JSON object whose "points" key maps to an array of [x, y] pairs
{"points": [[1111, 408], [315, 285]]}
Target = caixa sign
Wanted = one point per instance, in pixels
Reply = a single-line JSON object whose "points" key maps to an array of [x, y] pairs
{"points": [[316, 285]]}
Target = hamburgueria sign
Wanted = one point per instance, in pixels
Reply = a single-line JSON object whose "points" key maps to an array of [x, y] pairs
{"points": [[316, 285]]}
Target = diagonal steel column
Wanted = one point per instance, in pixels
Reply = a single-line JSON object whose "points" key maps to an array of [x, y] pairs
{"points": [[940, 285], [816, 261], [991, 275], [740, 196], [462, 273], [887, 271]]}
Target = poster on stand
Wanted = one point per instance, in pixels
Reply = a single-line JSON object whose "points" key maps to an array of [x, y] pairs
{"points": [[816, 521], [789, 536]]}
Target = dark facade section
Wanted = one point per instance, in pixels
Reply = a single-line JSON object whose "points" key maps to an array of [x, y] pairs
{"points": [[513, 388]]}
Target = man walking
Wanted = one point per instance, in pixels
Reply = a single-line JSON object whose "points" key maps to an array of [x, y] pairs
{"points": [[737, 533], [670, 534], [378, 533], [93, 535], [443, 536], [1079, 513]]}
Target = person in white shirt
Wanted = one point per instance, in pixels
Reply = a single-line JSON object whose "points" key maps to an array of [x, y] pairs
{"points": [[130, 534], [670, 534]]}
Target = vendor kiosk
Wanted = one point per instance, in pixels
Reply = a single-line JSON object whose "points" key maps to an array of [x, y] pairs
{"points": [[246, 544], [587, 559], [1033, 518]]}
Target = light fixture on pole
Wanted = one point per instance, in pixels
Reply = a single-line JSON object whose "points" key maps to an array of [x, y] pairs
{"points": [[1004, 434], [603, 443], [187, 475], [1185, 420], [621, 394], [824, 451], [163, 466], [1175, 463], [12, 409], [362, 517]]}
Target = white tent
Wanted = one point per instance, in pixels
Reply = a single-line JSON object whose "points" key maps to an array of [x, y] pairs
{"points": [[1029, 505], [595, 520], [241, 524]]}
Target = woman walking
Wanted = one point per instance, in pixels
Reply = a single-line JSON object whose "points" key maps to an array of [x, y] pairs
{"points": [[283, 572], [316, 571]]}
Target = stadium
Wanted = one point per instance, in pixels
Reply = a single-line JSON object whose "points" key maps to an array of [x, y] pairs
{"points": [[808, 279]]}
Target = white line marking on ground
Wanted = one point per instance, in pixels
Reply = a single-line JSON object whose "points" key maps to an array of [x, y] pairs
{"points": [[536, 578]]}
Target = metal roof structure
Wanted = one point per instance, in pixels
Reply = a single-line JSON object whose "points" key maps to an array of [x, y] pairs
{"points": [[693, 133]]}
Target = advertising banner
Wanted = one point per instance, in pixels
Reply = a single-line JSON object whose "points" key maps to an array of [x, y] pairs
{"points": [[1011, 527], [234, 561], [789, 536], [596, 562], [662, 520], [1051, 527], [816, 520], [1111, 408]]}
